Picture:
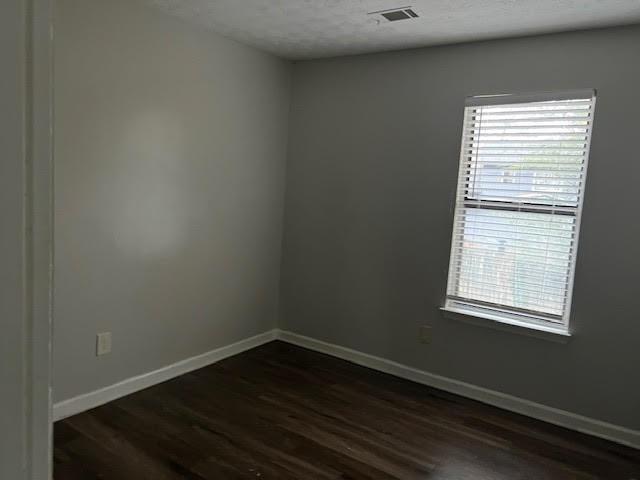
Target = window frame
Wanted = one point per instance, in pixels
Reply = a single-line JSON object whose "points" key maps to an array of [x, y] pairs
{"points": [[503, 314]]}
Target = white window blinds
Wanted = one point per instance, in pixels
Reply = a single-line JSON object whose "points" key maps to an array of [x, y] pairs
{"points": [[519, 198]]}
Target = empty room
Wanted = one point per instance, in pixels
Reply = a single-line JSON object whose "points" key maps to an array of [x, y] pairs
{"points": [[320, 239]]}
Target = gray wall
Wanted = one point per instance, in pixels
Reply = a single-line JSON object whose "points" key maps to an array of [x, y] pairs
{"points": [[374, 147], [170, 160]]}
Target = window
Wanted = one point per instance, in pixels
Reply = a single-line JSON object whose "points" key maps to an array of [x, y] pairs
{"points": [[523, 165]]}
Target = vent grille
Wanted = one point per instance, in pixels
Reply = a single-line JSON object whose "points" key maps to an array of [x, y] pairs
{"points": [[396, 14]]}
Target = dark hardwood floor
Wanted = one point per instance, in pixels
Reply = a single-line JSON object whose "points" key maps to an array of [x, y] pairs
{"points": [[282, 412]]}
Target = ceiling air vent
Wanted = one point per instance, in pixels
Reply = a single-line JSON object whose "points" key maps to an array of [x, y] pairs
{"points": [[395, 14]]}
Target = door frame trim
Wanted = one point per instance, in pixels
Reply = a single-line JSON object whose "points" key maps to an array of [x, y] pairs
{"points": [[39, 237]]}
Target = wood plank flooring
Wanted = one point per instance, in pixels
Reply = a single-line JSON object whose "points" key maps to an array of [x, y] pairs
{"points": [[283, 412]]}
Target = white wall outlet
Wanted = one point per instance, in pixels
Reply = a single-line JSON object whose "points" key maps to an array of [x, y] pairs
{"points": [[103, 343], [425, 334]]}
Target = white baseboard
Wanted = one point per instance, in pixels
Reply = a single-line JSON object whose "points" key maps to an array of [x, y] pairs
{"points": [[608, 431], [104, 395]]}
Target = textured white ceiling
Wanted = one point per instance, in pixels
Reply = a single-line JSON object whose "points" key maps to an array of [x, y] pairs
{"points": [[302, 29]]}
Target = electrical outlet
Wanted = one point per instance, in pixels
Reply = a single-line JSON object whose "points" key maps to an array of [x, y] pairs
{"points": [[425, 334], [103, 343]]}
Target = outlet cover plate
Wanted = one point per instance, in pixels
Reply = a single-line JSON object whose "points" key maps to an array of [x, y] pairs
{"points": [[425, 334], [103, 343]]}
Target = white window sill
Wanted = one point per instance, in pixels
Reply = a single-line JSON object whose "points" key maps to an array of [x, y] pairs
{"points": [[546, 332]]}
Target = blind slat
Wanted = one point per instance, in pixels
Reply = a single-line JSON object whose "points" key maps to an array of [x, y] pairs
{"points": [[577, 97], [523, 252], [541, 266], [543, 282], [494, 232], [568, 136], [543, 224], [549, 297], [531, 316], [515, 205]]}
